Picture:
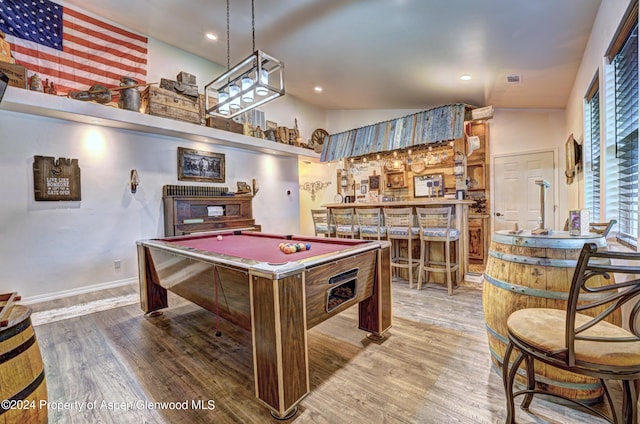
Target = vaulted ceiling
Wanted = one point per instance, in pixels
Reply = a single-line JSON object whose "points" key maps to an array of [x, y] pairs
{"points": [[385, 54]]}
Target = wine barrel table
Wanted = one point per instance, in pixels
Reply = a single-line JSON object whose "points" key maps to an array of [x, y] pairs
{"points": [[22, 380], [529, 271]]}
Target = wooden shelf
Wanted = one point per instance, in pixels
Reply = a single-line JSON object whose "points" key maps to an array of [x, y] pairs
{"points": [[35, 103]]}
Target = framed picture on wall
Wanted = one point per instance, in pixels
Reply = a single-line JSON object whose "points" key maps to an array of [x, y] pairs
{"points": [[374, 182], [197, 165]]}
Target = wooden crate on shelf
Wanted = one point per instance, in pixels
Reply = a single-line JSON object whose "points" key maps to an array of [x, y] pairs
{"points": [[160, 102], [225, 124], [17, 74]]}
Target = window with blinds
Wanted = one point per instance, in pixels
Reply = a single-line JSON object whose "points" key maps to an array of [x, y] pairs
{"points": [[592, 152], [624, 65]]}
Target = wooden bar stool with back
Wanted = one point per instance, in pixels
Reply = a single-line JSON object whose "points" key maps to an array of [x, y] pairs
{"points": [[435, 227], [321, 223], [370, 223], [400, 227], [345, 222]]}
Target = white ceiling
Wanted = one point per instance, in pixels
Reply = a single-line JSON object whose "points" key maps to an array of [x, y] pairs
{"points": [[386, 54]]}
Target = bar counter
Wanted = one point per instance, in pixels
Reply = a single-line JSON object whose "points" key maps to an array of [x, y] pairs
{"points": [[461, 220]]}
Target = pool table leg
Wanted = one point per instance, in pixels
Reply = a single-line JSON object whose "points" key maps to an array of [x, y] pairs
{"points": [[152, 295], [374, 313], [280, 358]]}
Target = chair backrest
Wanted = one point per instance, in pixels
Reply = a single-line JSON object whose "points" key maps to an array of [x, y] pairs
{"points": [[345, 221], [435, 224], [399, 222], [369, 221], [596, 227], [600, 288], [320, 221], [602, 227]]}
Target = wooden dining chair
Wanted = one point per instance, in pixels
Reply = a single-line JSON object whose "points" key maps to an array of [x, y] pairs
{"points": [[579, 339]]}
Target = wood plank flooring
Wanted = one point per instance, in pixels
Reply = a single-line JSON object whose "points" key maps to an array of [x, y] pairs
{"points": [[434, 367]]}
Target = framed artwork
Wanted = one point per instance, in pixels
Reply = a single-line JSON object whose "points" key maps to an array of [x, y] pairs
{"points": [[374, 182], [429, 185], [197, 165], [56, 179]]}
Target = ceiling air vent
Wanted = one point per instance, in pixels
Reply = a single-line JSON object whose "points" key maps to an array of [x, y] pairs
{"points": [[514, 79]]}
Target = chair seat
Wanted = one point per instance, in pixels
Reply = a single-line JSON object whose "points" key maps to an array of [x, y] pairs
{"points": [[346, 228], [544, 330], [402, 231], [441, 232], [372, 230], [325, 228]]}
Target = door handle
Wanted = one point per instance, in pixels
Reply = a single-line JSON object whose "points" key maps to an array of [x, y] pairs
{"points": [[499, 214]]}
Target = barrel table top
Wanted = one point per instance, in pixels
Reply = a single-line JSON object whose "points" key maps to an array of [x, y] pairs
{"points": [[557, 239]]}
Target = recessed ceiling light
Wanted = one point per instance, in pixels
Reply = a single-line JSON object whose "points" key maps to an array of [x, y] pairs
{"points": [[317, 89], [211, 36], [465, 77]]}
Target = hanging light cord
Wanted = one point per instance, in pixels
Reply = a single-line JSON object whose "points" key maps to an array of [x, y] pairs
{"points": [[228, 42], [253, 28]]}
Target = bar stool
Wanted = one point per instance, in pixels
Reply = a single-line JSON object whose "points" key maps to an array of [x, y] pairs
{"points": [[435, 226], [370, 223], [345, 222], [399, 224], [321, 225]]}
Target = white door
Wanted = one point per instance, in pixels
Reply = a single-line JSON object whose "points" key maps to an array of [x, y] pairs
{"points": [[516, 194]]}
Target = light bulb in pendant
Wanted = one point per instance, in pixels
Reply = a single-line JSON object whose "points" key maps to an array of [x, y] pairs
{"points": [[223, 101], [247, 83], [234, 92], [261, 89]]}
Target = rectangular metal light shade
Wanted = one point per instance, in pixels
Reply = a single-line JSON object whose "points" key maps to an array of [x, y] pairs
{"points": [[227, 96]]}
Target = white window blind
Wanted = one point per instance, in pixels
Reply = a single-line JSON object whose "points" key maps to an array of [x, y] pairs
{"points": [[592, 153], [625, 72]]}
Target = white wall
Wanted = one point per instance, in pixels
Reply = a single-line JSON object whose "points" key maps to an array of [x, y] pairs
{"points": [[531, 130], [311, 172], [49, 247]]}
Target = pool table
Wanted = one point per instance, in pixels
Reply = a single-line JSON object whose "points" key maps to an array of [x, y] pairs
{"points": [[246, 278]]}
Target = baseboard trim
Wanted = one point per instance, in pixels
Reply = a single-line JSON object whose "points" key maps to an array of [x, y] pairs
{"points": [[74, 292], [473, 277]]}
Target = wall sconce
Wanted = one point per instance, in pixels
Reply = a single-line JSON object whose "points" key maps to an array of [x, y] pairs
{"points": [[313, 187], [134, 180]]}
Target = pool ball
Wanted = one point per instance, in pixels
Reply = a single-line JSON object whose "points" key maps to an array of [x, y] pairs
{"points": [[308, 246], [219, 237]]}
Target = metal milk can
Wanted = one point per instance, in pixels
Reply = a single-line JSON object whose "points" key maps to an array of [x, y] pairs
{"points": [[129, 97]]}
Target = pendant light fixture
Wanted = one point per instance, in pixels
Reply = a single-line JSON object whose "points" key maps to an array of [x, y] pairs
{"points": [[256, 80]]}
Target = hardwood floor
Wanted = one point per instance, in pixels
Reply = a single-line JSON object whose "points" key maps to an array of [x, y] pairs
{"points": [[434, 367]]}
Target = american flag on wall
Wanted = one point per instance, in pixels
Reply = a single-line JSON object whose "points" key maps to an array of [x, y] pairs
{"points": [[71, 49]]}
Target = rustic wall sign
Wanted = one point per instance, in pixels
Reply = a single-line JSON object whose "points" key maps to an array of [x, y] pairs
{"points": [[56, 179]]}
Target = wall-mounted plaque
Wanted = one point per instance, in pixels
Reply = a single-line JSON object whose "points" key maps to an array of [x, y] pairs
{"points": [[56, 179]]}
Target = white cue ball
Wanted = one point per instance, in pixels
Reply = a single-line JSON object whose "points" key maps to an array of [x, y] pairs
{"points": [[219, 237]]}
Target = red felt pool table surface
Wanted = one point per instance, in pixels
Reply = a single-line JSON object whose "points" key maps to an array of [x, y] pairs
{"points": [[263, 247]]}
